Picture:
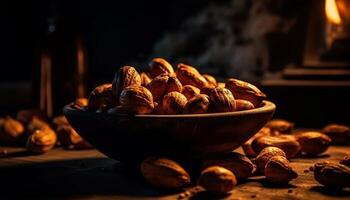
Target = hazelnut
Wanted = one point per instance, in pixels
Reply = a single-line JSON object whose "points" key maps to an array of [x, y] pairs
{"points": [[101, 95], [173, 103], [41, 141], [217, 179], [126, 76], [237, 163], [332, 175], [145, 79], [247, 146], [345, 161], [197, 105], [81, 103], [243, 105], [340, 134], [136, 99], [265, 155], [281, 126], [164, 173], [313, 143], [287, 143], [278, 170], [190, 91], [160, 66], [210, 79], [223, 100], [164, 84], [188, 75], [11, 131], [70, 139], [246, 91]]}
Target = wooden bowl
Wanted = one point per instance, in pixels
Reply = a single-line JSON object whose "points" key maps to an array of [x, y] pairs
{"points": [[131, 138]]}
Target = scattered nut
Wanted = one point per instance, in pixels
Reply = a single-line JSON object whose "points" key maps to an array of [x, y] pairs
{"points": [[210, 79], [70, 139], [243, 105], [11, 131], [160, 66], [197, 105], [247, 146], [37, 124], [164, 173], [223, 100], [345, 161], [340, 134], [313, 143], [41, 141], [278, 170], [145, 79], [190, 76], [281, 126], [265, 155], [101, 95], [190, 91], [126, 76], [217, 179], [287, 143], [173, 103], [237, 163], [136, 99], [164, 84], [246, 91], [332, 175]]}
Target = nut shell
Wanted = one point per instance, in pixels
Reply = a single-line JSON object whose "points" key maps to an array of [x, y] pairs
{"points": [[160, 66], [136, 99], [164, 84], [340, 134], [246, 91], [101, 95], [197, 105], [287, 143], [332, 175], [188, 75], [281, 126], [217, 179], [70, 139], [247, 146], [164, 173], [265, 155], [11, 131], [210, 79], [41, 141], [145, 79], [278, 170], [190, 91], [173, 103], [242, 104], [223, 100], [207, 89], [37, 124], [313, 143]]}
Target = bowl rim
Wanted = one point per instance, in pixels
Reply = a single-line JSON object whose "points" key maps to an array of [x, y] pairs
{"points": [[267, 106]]}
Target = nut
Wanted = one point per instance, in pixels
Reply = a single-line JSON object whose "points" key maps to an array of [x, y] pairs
{"points": [[207, 89], [345, 161], [70, 139], [190, 91], [265, 155], [101, 95], [237, 163], [190, 76], [221, 84], [217, 179], [37, 124], [340, 134], [332, 175], [11, 131], [25, 116], [145, 79], [223, 100], [197, 105], [246, 91], [126, 76], [164, 173], [160, 66], [164, 84], [210, 79], [281, 126], [287, 143], [60, 121], [173, 103], [247, 146], [136, 99], [278, 170], [41, 141], [243, 105], [81, 103], [313, 143]]}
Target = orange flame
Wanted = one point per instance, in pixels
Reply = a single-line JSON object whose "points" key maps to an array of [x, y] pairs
{"points": [[332, 12]]}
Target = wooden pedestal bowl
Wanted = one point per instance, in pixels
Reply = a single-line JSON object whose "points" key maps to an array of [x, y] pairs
{"points": [[131, 138]]}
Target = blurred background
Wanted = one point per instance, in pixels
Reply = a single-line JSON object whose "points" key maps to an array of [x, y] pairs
{"points": [[296, 51]]}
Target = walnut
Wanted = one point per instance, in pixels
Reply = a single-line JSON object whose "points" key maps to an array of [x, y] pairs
{"points": [[126, 76], [136, 99], [101, 95], [190, 76], [223, 100], [246, 91], [160, 66], [173, 103], [265, 155], [190, 91], [145, 79], [164, 84], [41, 141], [207, 89], [197, 105]]}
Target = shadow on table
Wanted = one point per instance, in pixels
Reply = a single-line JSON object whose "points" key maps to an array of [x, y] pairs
{"points": [[74, 178], [331, 192]]}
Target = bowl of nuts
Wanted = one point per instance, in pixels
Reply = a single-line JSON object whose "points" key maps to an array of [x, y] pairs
{"points": [[165, 112]]}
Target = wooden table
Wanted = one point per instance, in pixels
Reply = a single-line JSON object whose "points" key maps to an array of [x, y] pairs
{"points": [[68, 174]]}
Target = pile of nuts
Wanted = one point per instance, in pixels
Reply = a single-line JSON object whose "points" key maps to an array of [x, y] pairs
{"points": [[31, 129], [163, 90]]}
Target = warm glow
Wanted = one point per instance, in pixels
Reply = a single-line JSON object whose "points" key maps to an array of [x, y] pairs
{"points": [[332, 12]]}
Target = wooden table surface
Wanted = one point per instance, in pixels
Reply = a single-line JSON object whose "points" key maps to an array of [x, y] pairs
{"points": [[69, 174]]}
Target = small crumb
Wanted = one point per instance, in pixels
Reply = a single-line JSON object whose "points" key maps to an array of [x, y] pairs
{"points": [[290, 191], [306, 171]]}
